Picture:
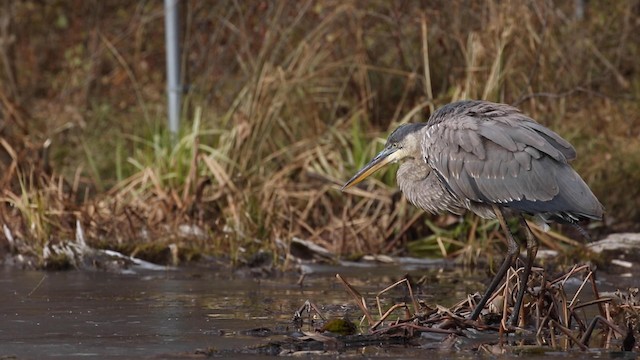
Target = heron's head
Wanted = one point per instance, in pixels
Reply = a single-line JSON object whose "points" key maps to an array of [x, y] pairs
{"points": [[404, 142]]}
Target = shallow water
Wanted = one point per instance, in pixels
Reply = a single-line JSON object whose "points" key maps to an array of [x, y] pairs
{"points": [[177, 313]]}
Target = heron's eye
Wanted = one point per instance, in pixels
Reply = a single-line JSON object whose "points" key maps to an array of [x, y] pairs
{"points": [[394, 145]]}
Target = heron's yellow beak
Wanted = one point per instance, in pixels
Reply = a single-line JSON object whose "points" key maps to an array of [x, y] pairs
{"points": [[383, 158]]}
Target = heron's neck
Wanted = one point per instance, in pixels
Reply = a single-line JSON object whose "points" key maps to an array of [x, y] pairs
{"points": [[413, 170], [423, 188], [410, 174]]}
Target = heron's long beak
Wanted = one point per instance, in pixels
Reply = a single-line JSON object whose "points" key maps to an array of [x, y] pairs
{"points": [[383, 158]]}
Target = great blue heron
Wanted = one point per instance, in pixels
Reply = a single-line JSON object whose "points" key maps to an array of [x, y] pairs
{"points": [[490, 159]]}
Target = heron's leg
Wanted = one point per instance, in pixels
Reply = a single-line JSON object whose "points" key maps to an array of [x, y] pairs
{"points": [[512, 251], [532, 251]]}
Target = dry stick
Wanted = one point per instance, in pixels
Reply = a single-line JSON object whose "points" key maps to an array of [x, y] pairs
{"points": [[594, 286], [505, 296], [518, 286], [300, 281], [308, 305], [501, 288], [472, 303], [419, 328], [610, 332], [592, 325], [571, 307], [384, 316], [358, 298], [443, 249], [38, 285], [471, 236], [539, 303], [584, 282], [556, 303], [580, 323], [596, 293], [565, 308], [468, 302], [568, 275], [455, 317], [425, 60], [568, 333], [565, 277], [544, 321], [413, 299], [552, 334], [416, 308], [598, 302], [10, 170]]}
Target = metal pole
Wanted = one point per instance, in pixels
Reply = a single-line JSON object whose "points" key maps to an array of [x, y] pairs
{"points": [[172, 44]]}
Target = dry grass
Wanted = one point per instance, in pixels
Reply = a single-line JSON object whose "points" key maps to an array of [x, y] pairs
{"points": [[286, 100]]}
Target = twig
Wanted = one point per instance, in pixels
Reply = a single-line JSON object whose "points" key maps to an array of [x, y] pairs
{"points": [[587, 334], [416, 309], [38, 285], [419, 328], [360, 301], [425, 60], [384, 316], [568, 333]]}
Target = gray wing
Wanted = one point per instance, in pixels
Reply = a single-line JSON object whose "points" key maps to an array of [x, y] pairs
{"points": [[491, 153]]}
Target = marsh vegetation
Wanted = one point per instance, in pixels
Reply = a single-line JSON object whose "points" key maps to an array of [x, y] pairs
{"points": [[283, 101]]}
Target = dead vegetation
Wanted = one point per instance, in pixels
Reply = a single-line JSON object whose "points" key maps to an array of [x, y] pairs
{"points": [[284, 101], [565, 312]]}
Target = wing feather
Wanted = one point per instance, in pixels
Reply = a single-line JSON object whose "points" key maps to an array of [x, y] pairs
{"points": [[558, 142], [495, 133], [523, 158], [464, 140], [476, 143], [492, 153]]}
